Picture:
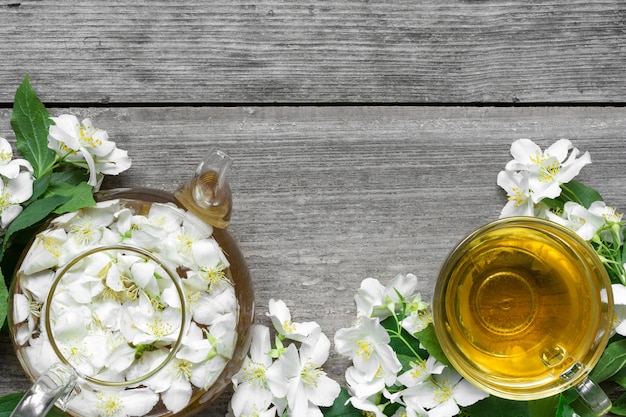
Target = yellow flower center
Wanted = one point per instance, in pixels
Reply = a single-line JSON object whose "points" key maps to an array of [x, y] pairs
{"points": [[417, 368], [159, 328], [254, 373], [5, 200], [518, 197], [51, 245], [443, 392], [183, 369], [109, 404], [550, 172], [364, 349], [215, 276], [310, 374], [86, 137], [84, 232], [288, 326], [6, 156]]}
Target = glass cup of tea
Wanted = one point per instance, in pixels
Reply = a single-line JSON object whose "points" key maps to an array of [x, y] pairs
{"points": [[523, 309]]}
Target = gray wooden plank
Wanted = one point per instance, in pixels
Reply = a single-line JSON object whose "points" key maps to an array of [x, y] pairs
{"points": [[327, 196], [426, 51]]}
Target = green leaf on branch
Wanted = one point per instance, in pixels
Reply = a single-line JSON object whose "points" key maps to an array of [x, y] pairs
{"points": [[34, 213], [428, 338], [80, 196], [4, 299], [579, 193], [545, 407], [10, 401], [613, 359], [619, 406], [40, 185], [31, 121], [341, 407]]}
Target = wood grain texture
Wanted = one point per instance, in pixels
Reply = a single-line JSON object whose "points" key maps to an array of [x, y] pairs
{"points": [[327, 196], [321, 51]]}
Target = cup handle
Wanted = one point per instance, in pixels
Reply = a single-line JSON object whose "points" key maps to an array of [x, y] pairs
{"points": [[58, 382], [593, 396]]}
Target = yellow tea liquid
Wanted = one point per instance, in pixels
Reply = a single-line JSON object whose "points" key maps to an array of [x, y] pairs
{"points": [[521, 308]]}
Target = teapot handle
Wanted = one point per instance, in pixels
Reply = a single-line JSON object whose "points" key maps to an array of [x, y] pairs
{"points": [[57, 383]]}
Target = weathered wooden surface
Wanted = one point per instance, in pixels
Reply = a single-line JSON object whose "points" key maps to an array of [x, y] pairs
{"points": [[327, 196], [321, 51]]}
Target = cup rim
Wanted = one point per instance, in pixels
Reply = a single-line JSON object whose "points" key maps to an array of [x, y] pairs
{"points": [[520, 391]]}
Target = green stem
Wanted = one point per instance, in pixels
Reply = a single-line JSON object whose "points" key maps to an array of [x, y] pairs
{"points": [[398, 334]]}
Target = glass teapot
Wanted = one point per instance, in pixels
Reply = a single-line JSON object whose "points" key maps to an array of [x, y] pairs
{"points": [[139, 306]]}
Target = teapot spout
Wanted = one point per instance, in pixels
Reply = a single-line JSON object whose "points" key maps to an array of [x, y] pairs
{"points": [[208, 194], [56, 384]]}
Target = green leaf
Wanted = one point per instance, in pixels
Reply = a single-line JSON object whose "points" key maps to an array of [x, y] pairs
{"points": [[498, 407], [10, 401], [428, 338], [611, 362], [70, 177], [34, 213], [4, 299], [546, 407], [40, 186], [80, 196], [619, 406], [31, 121], [579, 193], [341, 407]]}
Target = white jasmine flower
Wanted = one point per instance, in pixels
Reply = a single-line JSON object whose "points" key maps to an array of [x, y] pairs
{"points": [[222, 332], [369, 406], [547, 169], [207, 307], [13, 192], [362, 385], [619, 308], [410, 412], [84, 350], [45, 251], [83, 145], [174, 381], [374, 299], [420, 371], [442, 394], [516, 185], [38, 284], [142, 323], [308, 387], [39, 351], [209, 266], [252, 410], [10, 168], [26, 314], [281, 319], [114, 402], [579, 219], [367, 344], [419, 316], [259, 380], [612, 221]]}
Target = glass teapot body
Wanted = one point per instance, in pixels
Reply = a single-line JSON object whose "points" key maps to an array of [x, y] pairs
{"points": [[140, 306]]}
